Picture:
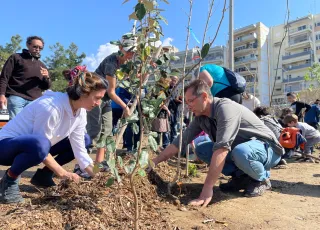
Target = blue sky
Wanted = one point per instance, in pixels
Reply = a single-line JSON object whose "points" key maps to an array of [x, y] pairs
{"points": [[92, 24]]}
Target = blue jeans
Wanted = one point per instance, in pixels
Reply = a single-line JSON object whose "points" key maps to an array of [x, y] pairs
{"points": [[26, 151], [254, 158], [16, 104]]}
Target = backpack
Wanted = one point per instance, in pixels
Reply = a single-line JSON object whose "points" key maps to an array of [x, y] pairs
{"points": [[237, 82], [291, 138]]}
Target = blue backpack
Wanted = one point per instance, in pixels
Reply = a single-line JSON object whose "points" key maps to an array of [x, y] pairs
{"points": [[237, 82]]}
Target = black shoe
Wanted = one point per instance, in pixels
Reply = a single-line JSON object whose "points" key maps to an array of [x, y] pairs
{"points": [[43, 178], [235, 184], [257, 188], [9, 190]]}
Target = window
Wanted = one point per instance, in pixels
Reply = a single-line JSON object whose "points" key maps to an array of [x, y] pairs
{"points": [[252, 55], [318, 48], [318, 37], [302, 27], [308, 61], [316, 24]]}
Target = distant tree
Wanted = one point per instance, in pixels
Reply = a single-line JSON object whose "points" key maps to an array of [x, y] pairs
{"points": [[60, 60], [9, 48]]}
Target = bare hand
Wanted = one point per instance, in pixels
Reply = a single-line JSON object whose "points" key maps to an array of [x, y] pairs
{"points": [[44, 72], [72, 176], [204, 198], [126, 112], [3, 102]]}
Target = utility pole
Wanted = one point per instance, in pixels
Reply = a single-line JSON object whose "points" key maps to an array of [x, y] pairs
{"points": [[231, 38]]}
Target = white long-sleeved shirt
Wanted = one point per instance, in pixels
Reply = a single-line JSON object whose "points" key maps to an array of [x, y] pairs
{"points": [[251, 103], [308, 131], [51, 116]]}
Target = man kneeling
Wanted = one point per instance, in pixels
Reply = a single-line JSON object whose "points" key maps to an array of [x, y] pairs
{"points": [[243, 147]]}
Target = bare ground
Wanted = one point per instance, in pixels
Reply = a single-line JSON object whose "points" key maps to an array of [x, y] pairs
{"points": [[292, 204]]}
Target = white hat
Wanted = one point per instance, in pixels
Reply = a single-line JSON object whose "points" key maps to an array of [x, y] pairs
{"points": [[129, 42]]}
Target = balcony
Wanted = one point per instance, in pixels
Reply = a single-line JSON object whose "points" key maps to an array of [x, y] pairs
{"points": [[296, 67], [305, 55], [244, 29], [213, 59], [294, 88], [296, 31], [293, 79], [299, 43], [296, 55], [248, 59], [245, 38], [245, 50], [244, 71]]}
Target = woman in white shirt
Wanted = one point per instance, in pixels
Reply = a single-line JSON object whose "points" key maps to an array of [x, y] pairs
{"points": [[52, 125]]}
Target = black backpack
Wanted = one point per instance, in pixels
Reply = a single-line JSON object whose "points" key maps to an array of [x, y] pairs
{"points": [[237, 82]]}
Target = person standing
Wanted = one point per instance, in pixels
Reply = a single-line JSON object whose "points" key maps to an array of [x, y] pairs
{"points": [[250, 101], [24, 77], [299, 108], [99, 119]]}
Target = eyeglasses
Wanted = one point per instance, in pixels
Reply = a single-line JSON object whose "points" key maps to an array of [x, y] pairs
{"points": [[38, 47], [191, 100]]}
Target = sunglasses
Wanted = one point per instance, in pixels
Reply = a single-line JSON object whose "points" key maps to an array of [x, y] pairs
{"points": [[38, 47]]}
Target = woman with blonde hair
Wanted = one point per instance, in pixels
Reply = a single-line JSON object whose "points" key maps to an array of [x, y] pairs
{"points": [[52, 125]]}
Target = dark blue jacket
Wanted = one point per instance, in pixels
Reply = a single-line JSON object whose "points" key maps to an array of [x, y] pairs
{"points": [[312, 116]]}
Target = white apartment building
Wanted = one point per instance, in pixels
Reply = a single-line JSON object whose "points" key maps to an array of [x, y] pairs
{"points": [[299, 51], [251, 59], [216, 55]]}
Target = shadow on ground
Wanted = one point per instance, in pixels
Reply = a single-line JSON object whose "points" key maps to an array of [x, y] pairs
{"points": [[296, 188]]}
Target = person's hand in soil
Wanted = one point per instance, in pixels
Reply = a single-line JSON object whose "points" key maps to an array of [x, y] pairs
{"points": [[204, 198], [71, 176]]}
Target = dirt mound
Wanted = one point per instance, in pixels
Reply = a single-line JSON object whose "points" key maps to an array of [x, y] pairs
{"points": [[87, 205]]}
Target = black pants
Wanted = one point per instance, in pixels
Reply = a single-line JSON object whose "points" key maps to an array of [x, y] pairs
{"points": [[231, 94]]}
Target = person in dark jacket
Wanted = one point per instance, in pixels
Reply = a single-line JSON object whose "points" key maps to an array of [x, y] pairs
{"points": [[24, 77], [312, 116], [299, 107]]}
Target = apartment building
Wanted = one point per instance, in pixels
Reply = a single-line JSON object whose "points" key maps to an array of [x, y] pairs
{"points": [[299, 51], [216, 55], [251, 59]]}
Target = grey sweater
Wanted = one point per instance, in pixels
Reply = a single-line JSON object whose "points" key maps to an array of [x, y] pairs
{"points": [[229, 124]]}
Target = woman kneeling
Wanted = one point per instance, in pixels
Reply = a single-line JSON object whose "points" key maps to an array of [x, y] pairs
{"points": [[52, 125]]}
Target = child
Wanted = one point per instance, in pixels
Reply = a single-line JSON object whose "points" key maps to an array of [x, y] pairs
{"points": [[311, 134]]}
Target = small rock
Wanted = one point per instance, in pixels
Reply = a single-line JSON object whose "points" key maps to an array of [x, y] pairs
{"points": [[176, 202], [183, 209]]}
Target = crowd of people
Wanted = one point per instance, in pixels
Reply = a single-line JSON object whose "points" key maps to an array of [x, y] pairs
{"points": [[231, 131]]}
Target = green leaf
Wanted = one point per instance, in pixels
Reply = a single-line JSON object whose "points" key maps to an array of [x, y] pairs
{"points": [[135, 128], [133, 118], [140, 11], [120, 161], [154, 134], [205, 50], [152, 143], [115, 43], [124, 84], [110, 145], [174, 58], [142, 173], [163, 19], [144, 156], [129, 168], [148, 5], [116, 174], [110, 182], [112, 163]]}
